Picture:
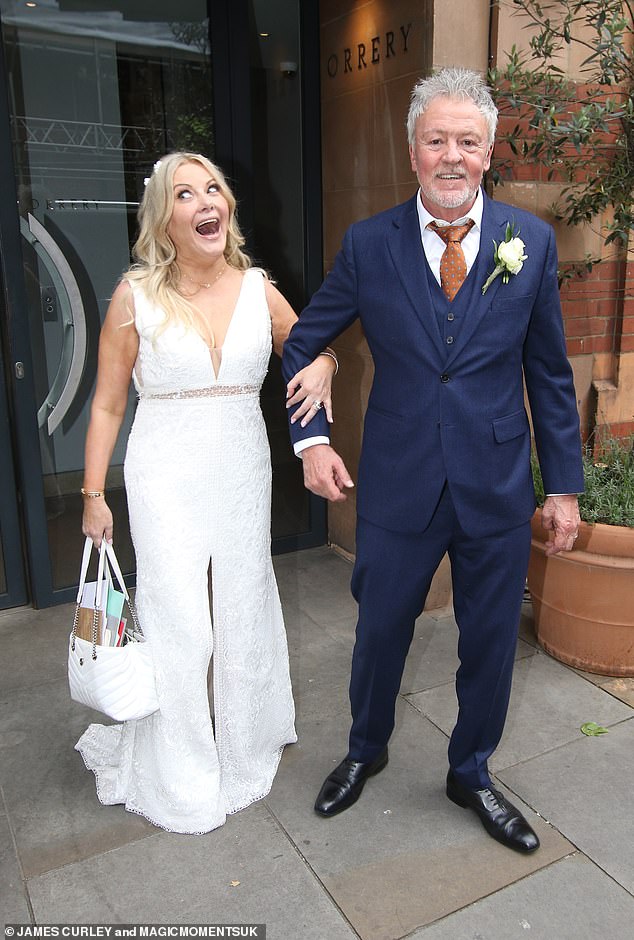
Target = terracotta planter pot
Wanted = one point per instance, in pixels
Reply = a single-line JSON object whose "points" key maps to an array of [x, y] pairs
{"points": [[583, 600]]}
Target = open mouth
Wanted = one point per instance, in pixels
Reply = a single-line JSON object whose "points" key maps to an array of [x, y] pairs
{"points": [[208, 227], [450, 176]]}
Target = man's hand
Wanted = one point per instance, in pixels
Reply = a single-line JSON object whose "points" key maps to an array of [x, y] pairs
{"points": [[561, 516], [325, 473]]}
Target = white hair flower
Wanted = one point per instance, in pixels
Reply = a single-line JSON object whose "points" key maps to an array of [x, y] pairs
{"points": [[154, 169]]}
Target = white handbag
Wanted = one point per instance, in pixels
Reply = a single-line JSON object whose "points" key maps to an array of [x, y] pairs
{"points": [[116, 680]]}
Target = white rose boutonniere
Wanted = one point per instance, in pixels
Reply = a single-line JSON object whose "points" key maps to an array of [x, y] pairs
{"points": [[508, 257]]}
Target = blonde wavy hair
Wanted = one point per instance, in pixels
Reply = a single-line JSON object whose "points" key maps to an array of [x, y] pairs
{"points": [[155, 267]]}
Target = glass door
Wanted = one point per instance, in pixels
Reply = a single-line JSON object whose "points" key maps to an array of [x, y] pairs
{"points": [[97, 91]]}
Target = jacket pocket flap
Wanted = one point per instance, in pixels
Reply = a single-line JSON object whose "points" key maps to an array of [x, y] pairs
{"points": [[502, 303], [505, 429]]}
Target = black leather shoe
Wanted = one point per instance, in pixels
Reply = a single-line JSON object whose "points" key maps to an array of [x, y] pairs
{"points": [[343, 786], [500, 818]]}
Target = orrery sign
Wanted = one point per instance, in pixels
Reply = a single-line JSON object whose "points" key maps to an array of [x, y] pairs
{"points": [[369, 53]]}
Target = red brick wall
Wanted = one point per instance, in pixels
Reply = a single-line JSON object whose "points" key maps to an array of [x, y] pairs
{"points": [[627, 338], [591, 306], [593, 303]]}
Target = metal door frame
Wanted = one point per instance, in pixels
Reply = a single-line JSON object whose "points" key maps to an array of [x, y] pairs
{"points": [[19, 385], [16, 590]]}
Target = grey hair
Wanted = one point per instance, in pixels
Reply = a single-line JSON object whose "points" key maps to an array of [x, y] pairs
{"points": [[462, 84]]}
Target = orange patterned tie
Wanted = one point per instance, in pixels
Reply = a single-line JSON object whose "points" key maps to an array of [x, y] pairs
{"points": [[453, 267]]}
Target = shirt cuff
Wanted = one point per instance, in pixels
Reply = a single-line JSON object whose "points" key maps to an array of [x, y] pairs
{"points": [[309, 442]]}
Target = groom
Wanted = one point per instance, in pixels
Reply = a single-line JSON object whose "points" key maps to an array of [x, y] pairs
{"points": [[445, 461]]}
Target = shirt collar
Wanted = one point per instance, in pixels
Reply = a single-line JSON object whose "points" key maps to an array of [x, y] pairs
{"points": [[475, 213]]}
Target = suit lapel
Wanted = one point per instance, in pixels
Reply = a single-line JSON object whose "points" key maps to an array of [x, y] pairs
{"points": [[494, 221], [406, 250]]}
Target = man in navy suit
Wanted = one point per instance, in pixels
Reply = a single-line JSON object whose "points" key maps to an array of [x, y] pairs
{"points": [[445, 460]]}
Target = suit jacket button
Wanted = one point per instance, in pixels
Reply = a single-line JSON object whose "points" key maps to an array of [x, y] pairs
{"points": [[444, 377], [449, 340]]}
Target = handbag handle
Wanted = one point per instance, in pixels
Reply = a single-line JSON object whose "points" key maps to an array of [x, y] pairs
{"points": [[85, 561], [103, 574], [112, 558], [114, 564], [106, 557]]}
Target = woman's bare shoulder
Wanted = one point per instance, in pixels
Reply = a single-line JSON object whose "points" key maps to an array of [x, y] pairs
{"points": [[121, 308]]}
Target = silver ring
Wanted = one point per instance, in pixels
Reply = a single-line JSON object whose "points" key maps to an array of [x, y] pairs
{"points": [[318, 404]]}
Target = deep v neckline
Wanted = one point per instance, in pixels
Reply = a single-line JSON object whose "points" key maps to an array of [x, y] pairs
{"points": [[220, 349]]}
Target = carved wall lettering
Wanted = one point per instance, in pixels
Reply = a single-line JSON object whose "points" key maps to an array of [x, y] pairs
{"points": [[369, 52]]}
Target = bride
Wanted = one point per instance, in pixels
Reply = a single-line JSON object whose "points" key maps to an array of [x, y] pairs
{"points": [[192, 324]]}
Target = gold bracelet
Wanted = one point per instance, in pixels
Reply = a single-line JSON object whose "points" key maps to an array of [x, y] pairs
{"points": [[329, 352], [92, 494]]}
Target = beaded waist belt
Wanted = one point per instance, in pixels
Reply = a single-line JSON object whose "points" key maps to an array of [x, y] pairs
{"points": [[213, 391]]}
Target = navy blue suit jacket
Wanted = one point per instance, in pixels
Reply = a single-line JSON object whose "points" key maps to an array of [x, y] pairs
{"points": [[454, 413]]}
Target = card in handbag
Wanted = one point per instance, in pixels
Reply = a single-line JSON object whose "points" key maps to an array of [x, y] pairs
{"points": [[110, 611], [117, 680], [87, 609]]}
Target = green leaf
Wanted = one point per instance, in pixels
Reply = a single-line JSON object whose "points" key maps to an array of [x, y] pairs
{"points": [[591, 728], [561, 126]]}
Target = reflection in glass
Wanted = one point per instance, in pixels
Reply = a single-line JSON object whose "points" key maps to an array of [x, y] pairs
{"points": [[96, 98]]}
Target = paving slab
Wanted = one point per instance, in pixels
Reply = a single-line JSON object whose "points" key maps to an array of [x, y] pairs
{"points": [[549, 703], [621, 688], [49, 794], [320, 668], [245, 872], [585, 790], [527, 625], [302, 630], [317, 581], [570, 900], [340, 628], [34, 646], [403, 862], [15, 618], [403, 855], [13, 903], [433, 655]]}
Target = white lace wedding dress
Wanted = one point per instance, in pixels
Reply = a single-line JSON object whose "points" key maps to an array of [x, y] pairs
{"points": [[198, 481]]}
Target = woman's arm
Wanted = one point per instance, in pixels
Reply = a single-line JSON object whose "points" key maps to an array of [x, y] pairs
{"points": [[314, 382], [118, 347]]}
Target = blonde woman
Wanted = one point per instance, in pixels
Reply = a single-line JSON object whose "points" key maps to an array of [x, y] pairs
{"points": [[192, 323]]}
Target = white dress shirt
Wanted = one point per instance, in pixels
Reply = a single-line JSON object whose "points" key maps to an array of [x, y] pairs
{"points": [[434, 246]]}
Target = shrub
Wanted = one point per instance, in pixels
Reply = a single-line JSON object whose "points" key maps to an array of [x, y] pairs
{"points": [[608, 468]]}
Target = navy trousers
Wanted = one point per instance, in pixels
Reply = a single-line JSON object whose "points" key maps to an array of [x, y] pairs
{"points": [[390, 582]]}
